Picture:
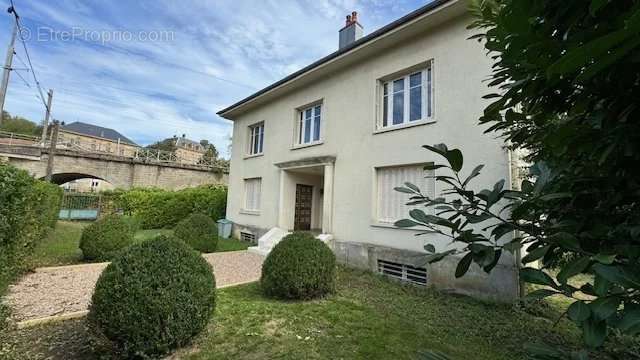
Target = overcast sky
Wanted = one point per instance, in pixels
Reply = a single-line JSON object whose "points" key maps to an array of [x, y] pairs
{"points": [[158, 68]]}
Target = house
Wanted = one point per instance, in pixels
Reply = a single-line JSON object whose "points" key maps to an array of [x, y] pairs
{"points": [[322, 149], [96, 138], [189, 151]]}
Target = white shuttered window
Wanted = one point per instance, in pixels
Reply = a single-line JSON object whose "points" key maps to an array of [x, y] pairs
{"points": [[252, 189], [390, 203]]}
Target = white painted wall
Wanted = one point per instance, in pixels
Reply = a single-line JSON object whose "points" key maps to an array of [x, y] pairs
{"points": [[349, 106]]}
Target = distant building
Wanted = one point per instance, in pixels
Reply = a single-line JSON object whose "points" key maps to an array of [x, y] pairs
{"points": [[96, 138], [87, 185], [189, 151]]}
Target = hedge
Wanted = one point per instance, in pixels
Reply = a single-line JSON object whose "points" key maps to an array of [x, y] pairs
{"points": [[29, 208], [104, 238], [156, 208], [198, 231], [299, 267], [153, 298]]}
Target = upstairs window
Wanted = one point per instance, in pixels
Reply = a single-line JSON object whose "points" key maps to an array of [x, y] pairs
{"points": [[309, 125], [407, 99], [256, 138]]}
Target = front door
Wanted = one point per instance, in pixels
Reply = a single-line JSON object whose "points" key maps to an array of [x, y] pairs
{"points": [[304, 199]]}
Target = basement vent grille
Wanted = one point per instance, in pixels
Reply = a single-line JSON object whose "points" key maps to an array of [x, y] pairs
{"points": [[247, 237], [403, 272]]}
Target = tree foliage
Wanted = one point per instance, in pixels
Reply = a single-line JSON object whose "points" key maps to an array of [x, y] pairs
{"points": [[168, 144], [19, 125], [568, 85]]}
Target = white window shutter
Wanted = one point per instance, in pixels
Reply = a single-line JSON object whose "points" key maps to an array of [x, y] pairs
{"points": [[391, 204]]}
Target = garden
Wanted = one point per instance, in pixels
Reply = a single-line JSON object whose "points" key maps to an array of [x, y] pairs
{"points": [[568, 87]]}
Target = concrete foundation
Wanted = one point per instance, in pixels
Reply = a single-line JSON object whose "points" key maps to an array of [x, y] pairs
{"points": [[501, 285]]}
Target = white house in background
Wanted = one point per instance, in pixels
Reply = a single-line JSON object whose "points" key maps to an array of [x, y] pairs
{"points": [[323, 148]]}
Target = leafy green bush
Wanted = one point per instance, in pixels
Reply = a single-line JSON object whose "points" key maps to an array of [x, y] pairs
{"points": [[28, 210], [154, 297], [105, 237], [199, 231], [299, 267], [157, 208]]}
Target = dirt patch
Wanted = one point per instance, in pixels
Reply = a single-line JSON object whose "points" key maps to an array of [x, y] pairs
{"points": [[68, 289]]}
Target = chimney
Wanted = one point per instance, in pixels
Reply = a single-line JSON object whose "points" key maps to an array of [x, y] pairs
{"points": [[352, 31]]}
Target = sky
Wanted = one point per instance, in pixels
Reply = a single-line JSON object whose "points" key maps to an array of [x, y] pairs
{"points": [[152, 69]]}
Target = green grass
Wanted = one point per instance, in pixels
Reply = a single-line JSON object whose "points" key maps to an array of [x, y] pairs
{"points": [[144, 235], [368, 318], [61, 247], [231, 244]]}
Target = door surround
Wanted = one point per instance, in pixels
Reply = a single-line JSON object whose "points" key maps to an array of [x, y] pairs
{"points": [[285, 215]]}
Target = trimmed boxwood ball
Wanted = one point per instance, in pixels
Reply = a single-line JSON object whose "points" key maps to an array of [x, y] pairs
{"points": [[105, 237], [299, 267], [153, 298], [199, 231]]}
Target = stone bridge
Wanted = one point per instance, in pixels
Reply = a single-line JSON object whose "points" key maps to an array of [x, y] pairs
{"points": [[121, 172]]}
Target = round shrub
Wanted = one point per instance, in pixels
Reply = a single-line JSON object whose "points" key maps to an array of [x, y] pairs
{"points": [[105, 237], [153, 298], [299, 267], [199, 231]]}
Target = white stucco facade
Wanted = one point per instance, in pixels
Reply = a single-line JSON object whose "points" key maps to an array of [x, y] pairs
{"points": [[342, 164]]}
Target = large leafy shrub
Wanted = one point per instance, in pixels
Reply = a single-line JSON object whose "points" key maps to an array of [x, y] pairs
{"points": [[164, 209], [29, 208], [568, 86], [105, 237], [199, 231], [299, 267], [154, 297]]}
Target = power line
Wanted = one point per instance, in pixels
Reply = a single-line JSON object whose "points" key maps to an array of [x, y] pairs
{"points": [[26, 52], [23, 80], [20, 58]]}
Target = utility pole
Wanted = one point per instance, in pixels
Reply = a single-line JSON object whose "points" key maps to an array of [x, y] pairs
{"points": [[46, 117], [52, 150], [7, 63]]}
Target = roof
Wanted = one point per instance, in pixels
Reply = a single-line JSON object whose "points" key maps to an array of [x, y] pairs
{"points": [[362, 41], [96, 131]]}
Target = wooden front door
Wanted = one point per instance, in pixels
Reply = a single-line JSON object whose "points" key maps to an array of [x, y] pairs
{"points": [[304, 199]]}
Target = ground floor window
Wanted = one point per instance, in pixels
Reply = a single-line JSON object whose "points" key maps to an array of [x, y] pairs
{"points": [[390, 203], [252, 190]]}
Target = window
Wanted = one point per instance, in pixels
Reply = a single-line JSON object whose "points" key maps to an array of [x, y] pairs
{"points": [[256, 138], [390, 203], [407, 99], [252, 189], [309, 125]]}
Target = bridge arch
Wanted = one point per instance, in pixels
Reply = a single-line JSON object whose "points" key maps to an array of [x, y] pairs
{"points": [[63, 178]]}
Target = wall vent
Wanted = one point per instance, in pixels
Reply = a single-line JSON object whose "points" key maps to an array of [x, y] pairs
{"points": [[247, 237], [403, 272]]}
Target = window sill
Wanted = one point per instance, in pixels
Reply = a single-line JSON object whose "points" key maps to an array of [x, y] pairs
{"points": [[253, 156], [391, 226], [250, 212], [404, 126], [302, 146]]}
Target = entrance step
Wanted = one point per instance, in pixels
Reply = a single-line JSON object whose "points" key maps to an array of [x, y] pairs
{"points": [[274, 236]]}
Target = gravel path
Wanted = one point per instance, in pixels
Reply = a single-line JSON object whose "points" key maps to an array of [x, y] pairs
{"points": [[68, 289]]}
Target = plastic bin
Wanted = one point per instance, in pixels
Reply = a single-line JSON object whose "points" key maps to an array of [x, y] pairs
{"points": [[224, 228]]}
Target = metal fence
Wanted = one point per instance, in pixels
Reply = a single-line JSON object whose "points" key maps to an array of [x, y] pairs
{"points": [[9, 138], [146, 155], [79, 206]]}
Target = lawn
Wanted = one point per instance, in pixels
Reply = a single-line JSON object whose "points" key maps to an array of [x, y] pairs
{"points": [[368, 318], [61, 245]]}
